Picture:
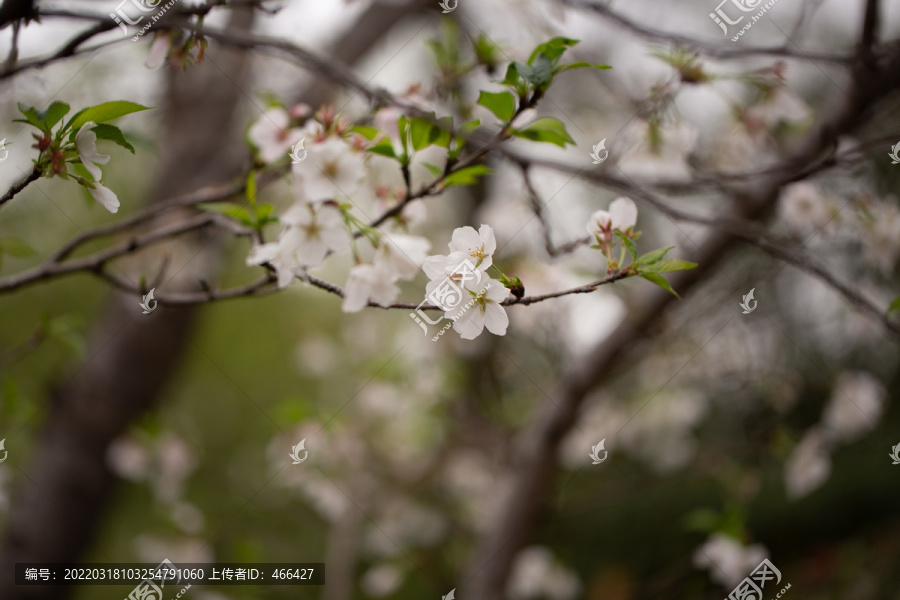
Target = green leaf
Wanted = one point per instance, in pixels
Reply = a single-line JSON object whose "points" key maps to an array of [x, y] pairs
{"points": [[552, 49], [384, 148], [548, 130], [229, 209], [104, 112], [441, 133], [105, 131], [436, 170], [540, 73], [669, 265], [54, 113], [652, 257], [420, 133], [628, 244], [264, 215], [466, 176], [502, 104], [31, 117], [370, 133], [403, 128], [250, 188], [895, 305], [660, 281], [579, 65], [512, 74]]}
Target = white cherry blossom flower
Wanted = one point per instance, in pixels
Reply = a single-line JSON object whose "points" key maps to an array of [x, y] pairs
{"points": [[86, 144], [882, 239], [804, 208], [319, 231], [536, 574], [367, 282], [332, 169], [779, 105], [481, 309], [622, 216], [272, 134], [281, 255], [478, 245], [402, 255]]}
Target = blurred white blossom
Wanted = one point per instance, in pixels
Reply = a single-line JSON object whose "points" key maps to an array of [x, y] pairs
{"points": [[808, 466], [536, 574], [882, 238], [273, 135], [727, 559], [332, 169], [804, 208], [855, 407], [381, 580]]}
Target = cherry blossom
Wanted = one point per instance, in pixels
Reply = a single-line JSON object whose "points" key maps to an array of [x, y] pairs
{"points": [[104, 196], [369, 281], [485, 310], [332, 169], [621, 216], [272, 134], [478, 245], [402, 255]]}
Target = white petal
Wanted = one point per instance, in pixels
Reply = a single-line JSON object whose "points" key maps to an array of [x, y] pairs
{"points": [[356, 289], [465, 239], [496, 319], [159, 50], [262, 254], [86, 143], [471, 324], [488, 240], [599, 220], [434, 266], [106, 197], [623, 213]]}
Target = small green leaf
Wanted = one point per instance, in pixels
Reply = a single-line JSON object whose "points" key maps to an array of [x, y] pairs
{"points": [[669, 265], [436, 170], [403, 128], [31, 117], [502, 104], [512, 74], [105, 131], [229, 209], [466, 176], [552, 49], [104, 112], [540, 73], [370, 133], [895, 305], [384, 148], [441, 133], [652, 257], [54, 113], [420, 133], [628, 244], [548, 130], [579, 65], [660, 281], [250, 188], [264, 215]]}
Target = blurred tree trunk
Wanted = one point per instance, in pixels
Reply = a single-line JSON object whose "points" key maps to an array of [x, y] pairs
{"points": [[62, 495]]}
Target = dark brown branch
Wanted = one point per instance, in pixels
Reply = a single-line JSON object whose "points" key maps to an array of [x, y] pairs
{"points": [[19, 186]]}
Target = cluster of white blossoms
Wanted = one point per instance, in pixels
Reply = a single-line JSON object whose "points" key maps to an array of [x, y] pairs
{"points": [[621, 217], [463, 273], [86, 144], [727, 559]]}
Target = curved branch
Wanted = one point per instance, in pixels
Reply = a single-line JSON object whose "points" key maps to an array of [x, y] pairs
{"points": [[19, 186]]}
